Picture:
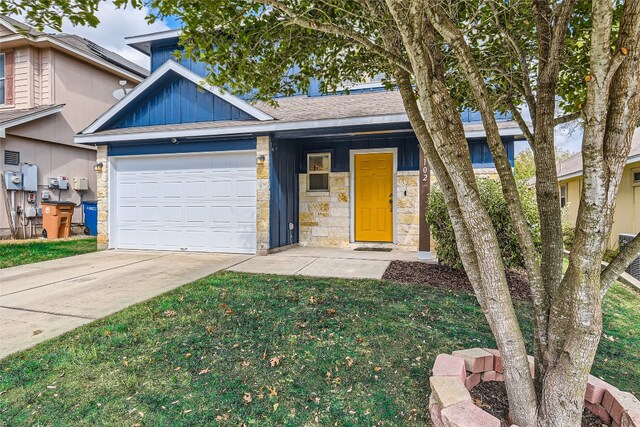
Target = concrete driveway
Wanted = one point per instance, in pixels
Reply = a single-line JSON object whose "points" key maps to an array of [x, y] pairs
{"points": [[56, 296]]}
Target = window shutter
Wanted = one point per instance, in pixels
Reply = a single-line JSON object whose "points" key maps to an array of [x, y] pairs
{"points": [[8, 78]]}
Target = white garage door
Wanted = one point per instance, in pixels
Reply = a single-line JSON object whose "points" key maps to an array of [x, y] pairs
{"points": [[201, 202]]}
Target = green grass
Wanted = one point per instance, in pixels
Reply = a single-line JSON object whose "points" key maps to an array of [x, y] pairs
{"points": [[366, 363], [12, 254]]}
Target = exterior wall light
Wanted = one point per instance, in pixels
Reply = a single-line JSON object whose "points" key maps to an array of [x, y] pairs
{"points": [[98, 167], [260, 160]]}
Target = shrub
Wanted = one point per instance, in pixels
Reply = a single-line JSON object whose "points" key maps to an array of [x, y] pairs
{"points": [[493, 200]]}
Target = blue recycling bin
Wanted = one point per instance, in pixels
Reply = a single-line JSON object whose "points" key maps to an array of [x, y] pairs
{"points": [[90, 209]]}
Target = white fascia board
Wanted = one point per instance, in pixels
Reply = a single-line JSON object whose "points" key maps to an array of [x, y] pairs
{"points": [[273, 126], [515, 131], [171, 65], [30, 117], [144, 38]]}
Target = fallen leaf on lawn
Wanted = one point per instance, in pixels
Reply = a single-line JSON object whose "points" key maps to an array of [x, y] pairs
{"points": [[302, 325], [181, 298], [264, 354], [177, 368], [223, 417], [170, 313], [186, 411], [275, 406], [331, 311], [187, 355], [349, 361], [245, 363], [313, 300], [377, 368], [275, 361], [209, 329], [37, 331], [141, 413], [329, 374], [247, 398], [51, 386], [272, 391], [125, 363], [204, 371], [226, 309], [107, 333]]}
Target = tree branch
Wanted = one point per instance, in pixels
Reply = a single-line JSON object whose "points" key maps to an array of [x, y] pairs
{"points": [[619, 264], [336, 30], [523, 125], [567, 118]]}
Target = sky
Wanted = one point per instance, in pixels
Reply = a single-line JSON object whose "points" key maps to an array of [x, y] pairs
{"points": [[568, 137], [115, 25]]}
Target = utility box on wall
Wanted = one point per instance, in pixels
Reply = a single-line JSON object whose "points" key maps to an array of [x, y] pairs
{"points": [[29, 177], [13, 180], [80, 184]]}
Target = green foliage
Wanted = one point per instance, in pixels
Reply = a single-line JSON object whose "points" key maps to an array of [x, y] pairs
{"points": [[493, 201], [525, 166]]}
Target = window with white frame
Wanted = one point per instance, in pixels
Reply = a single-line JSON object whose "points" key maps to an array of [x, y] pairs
{"points": [[318, 169], [564, 189], [636, 177], [2, 78]]}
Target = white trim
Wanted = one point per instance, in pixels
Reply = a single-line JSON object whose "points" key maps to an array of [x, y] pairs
{"points": [[328, 173], [160, 35], [30, 117], [168, 66], [272, 126], [352, 189]]}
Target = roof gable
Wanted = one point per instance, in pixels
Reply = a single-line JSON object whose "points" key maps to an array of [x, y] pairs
{"points": [[174, 95]]}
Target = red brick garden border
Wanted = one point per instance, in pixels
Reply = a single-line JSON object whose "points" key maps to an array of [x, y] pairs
{"points": [[454, 375]]}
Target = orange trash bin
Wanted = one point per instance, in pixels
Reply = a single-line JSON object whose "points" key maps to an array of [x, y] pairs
{"points": [[56, 219]]}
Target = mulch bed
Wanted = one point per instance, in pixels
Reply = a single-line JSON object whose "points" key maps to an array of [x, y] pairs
{"points": [[421, 273], [491, 396]]}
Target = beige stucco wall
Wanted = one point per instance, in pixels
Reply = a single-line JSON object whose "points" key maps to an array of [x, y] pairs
{"points": [[52, 160], [626, 218], [86, 91], [325, 217]]}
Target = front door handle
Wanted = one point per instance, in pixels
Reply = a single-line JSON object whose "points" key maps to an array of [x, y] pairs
{"points": [[391, 202]]}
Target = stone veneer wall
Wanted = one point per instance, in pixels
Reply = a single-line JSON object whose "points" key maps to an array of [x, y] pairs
{"points": [[102, 196], [263, 148], [325, 215]]}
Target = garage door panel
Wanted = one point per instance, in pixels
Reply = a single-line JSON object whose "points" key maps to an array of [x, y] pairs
{"points": [[204, 202]]}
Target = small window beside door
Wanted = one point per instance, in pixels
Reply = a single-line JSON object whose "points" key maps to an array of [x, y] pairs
{"points": [[563, 195], [318, 169]]}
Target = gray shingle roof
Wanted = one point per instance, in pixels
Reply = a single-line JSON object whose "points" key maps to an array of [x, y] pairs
{"points": [[303, 108], [82, 44], [573, 165], [14, 115]]}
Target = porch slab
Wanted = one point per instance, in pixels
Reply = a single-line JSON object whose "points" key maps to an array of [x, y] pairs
{"points": [[346, 268], [341, 263], [273, 265]]}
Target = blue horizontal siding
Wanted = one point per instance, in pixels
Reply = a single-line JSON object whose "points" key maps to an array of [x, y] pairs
{"points": [[137, 148]]}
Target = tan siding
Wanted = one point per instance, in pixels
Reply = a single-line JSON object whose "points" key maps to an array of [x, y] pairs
{"points": [[4, 31], [45, 76], [626, 218], [23, 78]]}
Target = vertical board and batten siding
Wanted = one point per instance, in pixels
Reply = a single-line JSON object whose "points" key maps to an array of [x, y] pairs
{"points": [[176, 101], [163, 53], [284, 193]]}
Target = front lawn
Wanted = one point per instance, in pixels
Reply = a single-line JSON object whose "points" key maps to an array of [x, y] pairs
{"points": [[235, 349], [12, 254]]}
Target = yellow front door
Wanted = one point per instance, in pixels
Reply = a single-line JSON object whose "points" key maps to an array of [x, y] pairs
{"points": [[373, 197]]}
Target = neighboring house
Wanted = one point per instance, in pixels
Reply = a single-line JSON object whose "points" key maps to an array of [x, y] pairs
{"points": [[51, 87], [197, 169], [626, 219]]}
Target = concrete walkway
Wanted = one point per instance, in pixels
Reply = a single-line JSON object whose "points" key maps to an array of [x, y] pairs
{"points": [[43, 300], [325, 262]]}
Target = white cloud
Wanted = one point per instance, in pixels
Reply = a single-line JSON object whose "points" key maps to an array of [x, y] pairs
{"points": [[115, 25]]}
